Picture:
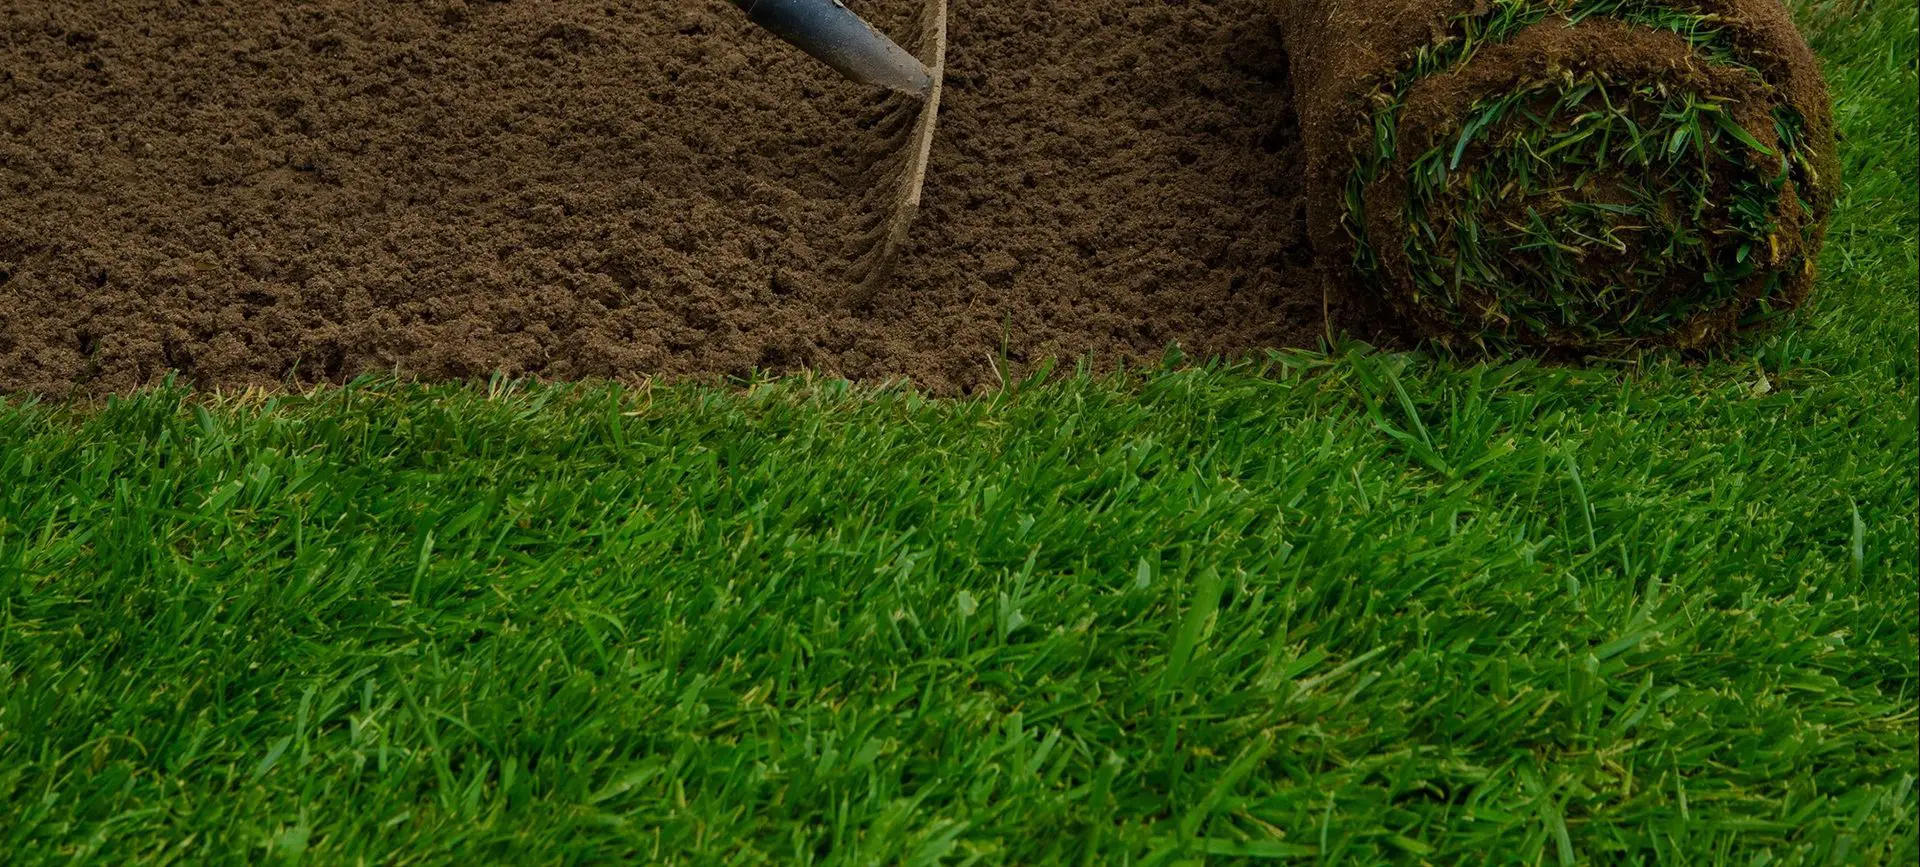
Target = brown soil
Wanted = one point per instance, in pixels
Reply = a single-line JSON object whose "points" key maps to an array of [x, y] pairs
{"points": [[258, 192]]}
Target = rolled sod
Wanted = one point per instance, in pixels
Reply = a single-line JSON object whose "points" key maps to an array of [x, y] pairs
{"points": [[1575, 175]]}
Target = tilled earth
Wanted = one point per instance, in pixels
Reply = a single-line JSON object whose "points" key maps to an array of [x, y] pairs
{"points": [[270, 193]]}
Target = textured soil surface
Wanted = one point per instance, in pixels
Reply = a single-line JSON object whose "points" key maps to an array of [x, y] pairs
{"points": [[264, 193]]}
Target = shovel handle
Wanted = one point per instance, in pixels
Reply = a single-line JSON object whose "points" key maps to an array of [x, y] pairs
{"points": [[832, 34]]}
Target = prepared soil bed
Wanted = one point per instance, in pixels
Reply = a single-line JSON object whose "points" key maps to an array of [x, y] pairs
{"points": [[264, 193]]}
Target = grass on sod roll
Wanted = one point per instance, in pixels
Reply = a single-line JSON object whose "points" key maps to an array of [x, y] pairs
{"points": [[1659, 151], [1342, 608], [1504, 245]]}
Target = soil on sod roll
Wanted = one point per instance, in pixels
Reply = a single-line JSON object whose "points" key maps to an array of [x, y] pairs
{"points": [[257, 192], [1575, 175]]}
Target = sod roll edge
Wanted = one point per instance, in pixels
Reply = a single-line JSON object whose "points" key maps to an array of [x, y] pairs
{"points": [[1587, 176]]}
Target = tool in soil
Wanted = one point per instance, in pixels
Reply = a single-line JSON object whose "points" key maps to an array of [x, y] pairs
{"points": [[833, 34]]}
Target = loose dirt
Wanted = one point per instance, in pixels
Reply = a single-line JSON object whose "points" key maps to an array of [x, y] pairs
{"points": [[268, 193]]}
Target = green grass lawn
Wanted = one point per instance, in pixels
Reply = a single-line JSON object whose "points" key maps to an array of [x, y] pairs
{"points": [[1348, 608]]}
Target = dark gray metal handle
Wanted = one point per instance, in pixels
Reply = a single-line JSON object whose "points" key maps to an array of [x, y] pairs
{"points": [[835, 36]]}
